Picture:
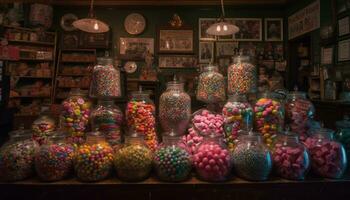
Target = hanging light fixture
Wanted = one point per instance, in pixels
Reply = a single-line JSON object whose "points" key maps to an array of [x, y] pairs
{"points": [[222, 27], [91, 24]]}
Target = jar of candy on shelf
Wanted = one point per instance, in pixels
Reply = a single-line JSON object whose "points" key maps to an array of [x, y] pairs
{"points": [[343, 133], [290, 157], [75, 116], [174, 108], [192, 140], [54, 160], [133, 161], [299, 111], [269, 116], [17, 156], [212, 160], [105, 79], [211, 86], [252, 158], [107, 118], [238, 115], [172, 160], [242, 76], [206, 122], [93, 160], [43, 126], [328, 157], [140, 116]]}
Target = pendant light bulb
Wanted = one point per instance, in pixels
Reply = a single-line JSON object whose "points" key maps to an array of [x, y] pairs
{"points": [[96, 27], [218, 28], [225, 27]]}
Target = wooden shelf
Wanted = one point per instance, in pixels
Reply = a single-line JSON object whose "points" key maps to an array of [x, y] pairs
{"points": [[33, 77], [34, 59], [14, 97], [32, 42], [72, 87], [74, 75], [78, 61]]}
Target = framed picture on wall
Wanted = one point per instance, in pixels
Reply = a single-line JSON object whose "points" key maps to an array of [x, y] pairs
{"points": [[226, 48], [203, 25], [273, 29], [344, 50], [206, 52], [177, 61], [135, 48], [175, 40], [94, 40], [327, 55], [343, 26], [70, 40], [250, 29]]}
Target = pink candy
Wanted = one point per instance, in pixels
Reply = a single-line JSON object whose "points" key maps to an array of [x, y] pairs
{"points": [[192, 139], [206, 122]]}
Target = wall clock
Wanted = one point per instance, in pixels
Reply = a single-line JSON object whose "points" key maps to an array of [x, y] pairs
{"points": [[135, 24], [130, 67], [67, 22]]}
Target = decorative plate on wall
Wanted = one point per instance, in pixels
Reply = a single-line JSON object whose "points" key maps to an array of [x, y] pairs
{"points": [[67, 22], [130, 67], [135, 23]]}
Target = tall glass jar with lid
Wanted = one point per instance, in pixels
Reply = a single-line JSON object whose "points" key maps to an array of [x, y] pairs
{"points": [[252, 158], [43, 126], [133, 161], [75, 115], [211, 86], [107, 118], [140, 117], [328, 157], [238, 115], [343, 133], [17, 156], [174, 108], [242, 76]]}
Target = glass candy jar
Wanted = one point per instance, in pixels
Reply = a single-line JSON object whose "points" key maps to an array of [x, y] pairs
{"points": [[75, 115], [105, 79], [212, 160], [133, 161], [238, 115], [328, 157], [93, 160], [290, 157], [108, 119], [172, 160], [140, 116], [242, 76], [251, 158], [174, 108], [211, 86], [54, 160], [269, 116], [343, 133], [17, 156], [299, 110], [206, 122], [43, 126]]}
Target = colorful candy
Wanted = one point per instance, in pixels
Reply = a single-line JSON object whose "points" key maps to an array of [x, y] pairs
{"points": [[192, 140], [207, 122], [42, 128], [241, 77], [105, 81], [211, 86]]}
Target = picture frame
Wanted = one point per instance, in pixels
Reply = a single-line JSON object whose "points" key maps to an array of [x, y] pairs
{"points": [[135, 48], [94, 40], [343, 26], [206, 52], [177, 61], [250, 29], [226, 48], [203, 25], [174, 40], [273, 29], [70, 40], [344, 50], [327, 55]]}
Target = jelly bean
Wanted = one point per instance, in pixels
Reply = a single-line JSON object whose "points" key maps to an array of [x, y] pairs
{"points": [[242, 78], [42, 128]]}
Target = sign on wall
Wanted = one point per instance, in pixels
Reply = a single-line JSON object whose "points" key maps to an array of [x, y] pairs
{"points": [[304, 21]]}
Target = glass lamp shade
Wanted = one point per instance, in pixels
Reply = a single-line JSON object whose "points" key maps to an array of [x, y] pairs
{"points": [[91, 25], [222, 28]]}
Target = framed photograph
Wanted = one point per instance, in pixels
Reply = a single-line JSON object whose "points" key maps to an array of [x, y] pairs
{"points": [[175, 41], [226, 48], [327, 55], [135, 48], [273, 29], [94, 40], [177, 61], [206, 52], [250, 29], [343, 26], [344, 50], [203, 25]]}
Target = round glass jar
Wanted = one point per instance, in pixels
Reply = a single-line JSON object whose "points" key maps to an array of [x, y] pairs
{"points": [[43, 126], [192, 140], [140, 117], [54, 160], [299, 110], [17, 156], [174, 108], [238, 115], [343, 133], [172, 160], [290, 157], [328, 157], [105, 79], [252, 158], [93, 160], [107, 118], [242, 76], [206, 122], [269, 116], [211, 86], [133, 161], [212, 160], [75, 115]]}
